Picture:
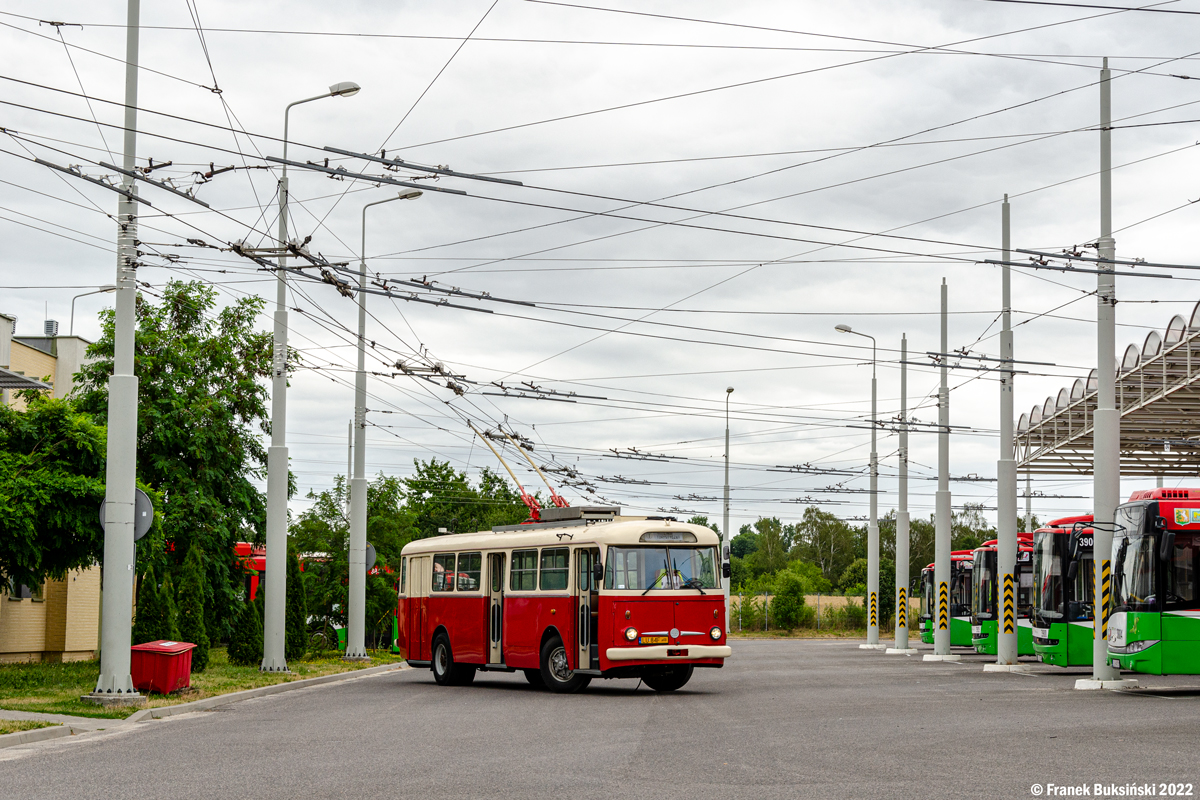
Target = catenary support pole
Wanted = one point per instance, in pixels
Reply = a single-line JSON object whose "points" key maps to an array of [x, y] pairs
{"points": [[1028, 502], [942, 519], [902, 526], [1006, 468], [727, 543], [349, 461], [121, 468], [1107, 447]]}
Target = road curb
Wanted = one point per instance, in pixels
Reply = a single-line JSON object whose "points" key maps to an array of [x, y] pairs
{"points": [[262, 691], [35, 735]]}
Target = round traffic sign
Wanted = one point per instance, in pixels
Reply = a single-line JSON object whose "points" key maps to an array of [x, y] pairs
{"points": [[143, 514]]}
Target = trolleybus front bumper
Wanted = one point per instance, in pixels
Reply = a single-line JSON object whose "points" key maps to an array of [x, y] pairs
{"points": [[677, 652]]}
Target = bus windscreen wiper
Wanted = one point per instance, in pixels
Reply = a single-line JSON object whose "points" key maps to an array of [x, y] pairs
{"points": [[656, 580]]}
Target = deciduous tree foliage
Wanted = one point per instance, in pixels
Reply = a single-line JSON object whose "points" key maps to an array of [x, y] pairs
{"points": [[202, 407], [51, 488]]}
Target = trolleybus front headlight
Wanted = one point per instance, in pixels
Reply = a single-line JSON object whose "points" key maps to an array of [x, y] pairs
{"points": [[715, 633], [631, 633]]}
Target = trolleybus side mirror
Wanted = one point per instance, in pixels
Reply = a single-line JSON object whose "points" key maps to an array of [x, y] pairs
{"points": [[1072, 569], [725, 570], [1166, 547], [598, 572]]}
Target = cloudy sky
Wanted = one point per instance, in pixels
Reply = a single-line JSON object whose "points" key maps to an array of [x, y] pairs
{"points": [[708, 189]]}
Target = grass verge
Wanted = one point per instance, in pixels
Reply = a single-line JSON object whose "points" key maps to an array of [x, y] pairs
{"points": [[56, 688], [18, 725]]}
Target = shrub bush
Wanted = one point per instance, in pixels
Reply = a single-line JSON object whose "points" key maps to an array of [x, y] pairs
{"points": [[789, 600], [191, 608], [296, 625], [246, 644]]}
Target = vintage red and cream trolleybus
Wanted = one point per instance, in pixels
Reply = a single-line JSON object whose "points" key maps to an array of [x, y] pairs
{"points": [[585, 593]]}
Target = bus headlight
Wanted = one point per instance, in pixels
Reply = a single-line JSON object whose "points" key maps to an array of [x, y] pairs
{"points": [[631, 633], [715, 633]]}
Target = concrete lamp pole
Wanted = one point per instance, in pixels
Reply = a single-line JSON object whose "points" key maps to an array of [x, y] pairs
{"points": [[356, 616], [725, 521], [277, 454], [873, 523], [102, 290]]}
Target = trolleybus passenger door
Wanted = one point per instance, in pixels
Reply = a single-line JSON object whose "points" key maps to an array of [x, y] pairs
{"points": [[495, 608], [587, 609], [418, 594]]}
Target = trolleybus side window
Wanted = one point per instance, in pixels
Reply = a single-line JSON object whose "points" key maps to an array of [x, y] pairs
{"points": [[469, 567], [554, 568], [1181, 574], [443, 572], [403, 573], [524, 571]]}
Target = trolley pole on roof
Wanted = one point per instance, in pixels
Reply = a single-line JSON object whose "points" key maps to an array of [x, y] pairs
{"points": [[902, 527], [115, 682], [942, 532], [1107, 446], [1006, 474]]}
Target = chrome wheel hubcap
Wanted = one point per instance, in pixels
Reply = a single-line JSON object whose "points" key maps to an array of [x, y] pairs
{"points": [[558, 665]]}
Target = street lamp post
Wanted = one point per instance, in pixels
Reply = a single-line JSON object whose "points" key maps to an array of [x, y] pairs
{"points": [[277, 454], [356, 617], [873, 523], [102, 290], [725, 521]]}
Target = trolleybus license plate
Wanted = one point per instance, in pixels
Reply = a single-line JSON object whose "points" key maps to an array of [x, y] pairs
{"points": [[653, 640]]}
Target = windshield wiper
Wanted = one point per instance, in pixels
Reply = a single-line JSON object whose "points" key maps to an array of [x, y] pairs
{"points": [[651, 586]]}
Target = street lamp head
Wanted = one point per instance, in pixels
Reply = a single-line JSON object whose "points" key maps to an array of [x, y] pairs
{"points": [[729, 390], [344, 89], [108, 287], [843, 328], [410, 195]]}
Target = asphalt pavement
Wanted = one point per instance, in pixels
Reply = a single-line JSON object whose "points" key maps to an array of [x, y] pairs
{"points": [[783, 719]]}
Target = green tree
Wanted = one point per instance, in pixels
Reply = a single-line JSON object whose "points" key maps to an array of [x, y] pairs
{"points": [[814, 580], [969, 528], [202, 416], [191, 608], [854, 578], [788, 603], [296, 626], [743, 544], [149, 623], [826, 541], [246, 644], [1021, 523], [704, 521], [772, 552], [51, 488]]}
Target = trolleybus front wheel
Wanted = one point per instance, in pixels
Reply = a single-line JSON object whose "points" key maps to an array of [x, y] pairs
{"points": [[667, 679], [445, 671], [556, 674]]}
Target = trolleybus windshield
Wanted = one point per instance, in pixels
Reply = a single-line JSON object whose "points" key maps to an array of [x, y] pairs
{"points": [[646, 568], [1048, 599], [983, 584], [1134, 561]]}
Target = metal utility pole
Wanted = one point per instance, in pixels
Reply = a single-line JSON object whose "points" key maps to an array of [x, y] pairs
{"points": [[1107, 447], [1006, 471], [1028, 503], [349, 461], [115, 682], [902, 528], [274, 633], [942, 532], [725, 522], [356, 612]]}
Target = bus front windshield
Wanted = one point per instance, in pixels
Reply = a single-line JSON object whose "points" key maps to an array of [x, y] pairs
{"points": [[927, 593], [983, 585], [645, 568], [1048, 598], [1134, 560]]}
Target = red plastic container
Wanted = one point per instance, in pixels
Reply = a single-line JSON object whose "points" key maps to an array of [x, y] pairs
{"points": [[161, 666]]}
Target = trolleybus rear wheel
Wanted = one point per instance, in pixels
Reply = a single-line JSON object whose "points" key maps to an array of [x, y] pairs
{"points": [[556, 674], [668, 679], [445, 671]]}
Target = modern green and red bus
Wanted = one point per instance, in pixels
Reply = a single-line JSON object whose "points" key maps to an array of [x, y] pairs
{"points": [[1154, 619], [960, 600], [985, 597], [1063, 612]]}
